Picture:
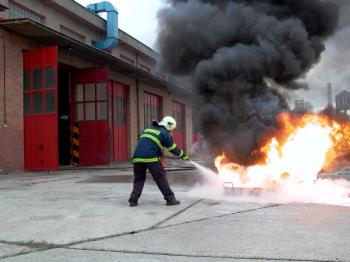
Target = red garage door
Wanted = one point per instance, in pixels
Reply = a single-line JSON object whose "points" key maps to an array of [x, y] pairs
{"points": [[118, 97], [91, 115], [40, 109], [178, 112], [152, 108]]}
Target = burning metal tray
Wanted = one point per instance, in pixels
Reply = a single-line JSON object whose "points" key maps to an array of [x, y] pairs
{"points": [[230, 189]]}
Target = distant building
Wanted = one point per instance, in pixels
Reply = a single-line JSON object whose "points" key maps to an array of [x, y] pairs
{"points": [[298, 106], [329, 95], [301, 106], [342, 101], [308, 107]]}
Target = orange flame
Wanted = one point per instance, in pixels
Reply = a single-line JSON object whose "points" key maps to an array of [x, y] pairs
{"points": [[303, 147]]}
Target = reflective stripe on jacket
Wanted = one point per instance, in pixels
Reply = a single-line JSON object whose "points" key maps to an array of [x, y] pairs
{"points": [[151, 144]]}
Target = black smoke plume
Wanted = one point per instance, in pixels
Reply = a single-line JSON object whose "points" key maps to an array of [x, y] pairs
{"points": [[235, 51]]}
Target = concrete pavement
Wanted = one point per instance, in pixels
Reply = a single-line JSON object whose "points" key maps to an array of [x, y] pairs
{"points": [[84, 216]]}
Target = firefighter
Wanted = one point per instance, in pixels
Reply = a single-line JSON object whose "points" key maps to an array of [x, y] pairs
{"points": [[149, 154]]}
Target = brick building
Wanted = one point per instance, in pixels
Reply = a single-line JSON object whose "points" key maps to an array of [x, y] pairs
{"points": [[74, 89]]}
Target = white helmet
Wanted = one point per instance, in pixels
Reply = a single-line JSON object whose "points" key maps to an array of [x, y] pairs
{"points": [[168, 122]]}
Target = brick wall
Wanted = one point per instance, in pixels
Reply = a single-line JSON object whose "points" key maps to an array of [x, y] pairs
{"points": [[11, 105]]}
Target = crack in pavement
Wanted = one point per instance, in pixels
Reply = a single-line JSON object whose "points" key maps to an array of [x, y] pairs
{"points": [[11, 243], [153, 227], [31, 244], [203, 256], [223, 215], [178, 255], [35, 246], [19, 254], [156, 226], [175, 214]]}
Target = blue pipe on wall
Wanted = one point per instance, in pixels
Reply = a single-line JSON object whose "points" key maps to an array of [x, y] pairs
{"points": [[112, 25]]}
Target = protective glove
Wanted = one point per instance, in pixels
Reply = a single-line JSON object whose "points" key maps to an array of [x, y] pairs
{"points": [[185, 157], [162, 160]]}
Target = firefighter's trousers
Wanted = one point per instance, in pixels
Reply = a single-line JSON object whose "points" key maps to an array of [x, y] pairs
{"points": [[159, 175]]}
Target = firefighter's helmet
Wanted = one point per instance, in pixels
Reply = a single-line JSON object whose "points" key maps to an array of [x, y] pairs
{"points": [[168, 122]]}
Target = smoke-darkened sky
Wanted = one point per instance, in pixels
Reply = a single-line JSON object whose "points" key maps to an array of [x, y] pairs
{"points": [[242, 57], [334, 66]]}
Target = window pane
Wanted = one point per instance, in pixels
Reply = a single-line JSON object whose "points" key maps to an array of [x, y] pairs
{"points": [[101, 91], [50, 102], [79, 93], [148, 116], [26, 83], [79, 112], [37, 103], [102, 111], [50, 77], [90, 111], [90, 92], [119, 111], [156, 113], [37, 83], [179, 115], [26, 105], [152, 109]]}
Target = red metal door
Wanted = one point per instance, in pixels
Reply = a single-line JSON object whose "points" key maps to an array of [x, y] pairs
{"points": [[152, 108], [178, 111], [90, 115], [118, 121], [40, 109]]}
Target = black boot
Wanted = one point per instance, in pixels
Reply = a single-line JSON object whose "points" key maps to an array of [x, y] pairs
{"points": [[172, 202], [133, 203]]}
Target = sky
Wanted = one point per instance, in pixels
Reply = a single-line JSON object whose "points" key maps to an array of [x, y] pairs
{"points": [[138, 18], [333, 67]]}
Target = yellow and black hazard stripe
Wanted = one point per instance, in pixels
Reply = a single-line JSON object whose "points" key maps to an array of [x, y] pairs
{"points": [[75, 145]]}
